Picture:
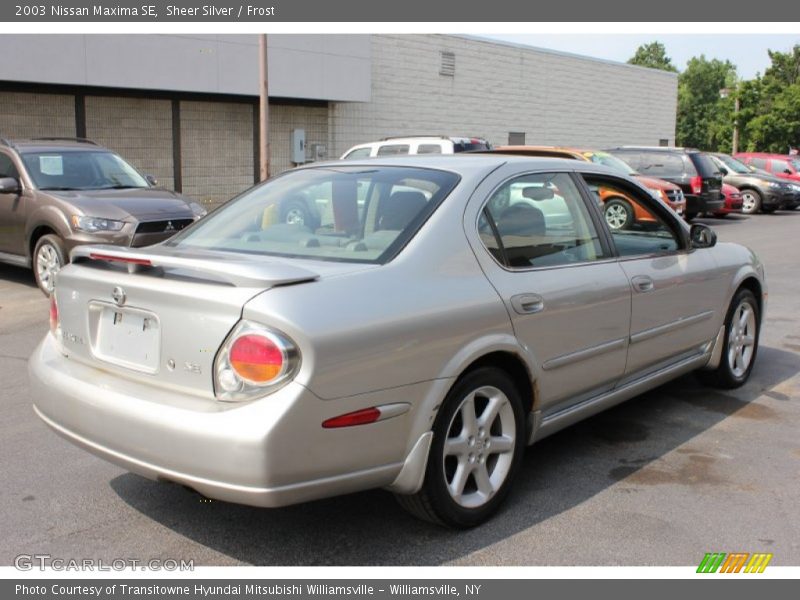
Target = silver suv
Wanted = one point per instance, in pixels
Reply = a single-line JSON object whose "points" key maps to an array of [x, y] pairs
{"points": [[57, 193]]}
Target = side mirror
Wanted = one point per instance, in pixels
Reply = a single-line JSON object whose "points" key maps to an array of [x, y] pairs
{"points": [[787, 171], [724, 171], [9, 185], [151, 180], [702, 236]]}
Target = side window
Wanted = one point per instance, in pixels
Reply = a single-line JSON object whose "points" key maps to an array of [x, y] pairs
{"points": [[358, 153], [429, 149], [539, 220], [661, 164], [391, 149], [780, 167], [758, 163], [7, 168], [635, 227]]}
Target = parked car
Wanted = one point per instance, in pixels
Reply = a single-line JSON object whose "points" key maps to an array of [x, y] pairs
{"points": [[784, 166], [733, 201], [418, 344], [423, 144], [692, 170], [57, 193], [619, 212], [760, 192]]}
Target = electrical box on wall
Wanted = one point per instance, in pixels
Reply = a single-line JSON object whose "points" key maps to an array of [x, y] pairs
{"points": [[298, 146]]}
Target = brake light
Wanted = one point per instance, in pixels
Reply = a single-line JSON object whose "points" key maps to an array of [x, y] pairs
{"points": [[256, 358], [697, 184], [254, 361], [359, 417], [53, 314]]}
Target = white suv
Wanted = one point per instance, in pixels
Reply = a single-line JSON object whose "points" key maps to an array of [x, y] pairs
{"points": [[429, 144]]}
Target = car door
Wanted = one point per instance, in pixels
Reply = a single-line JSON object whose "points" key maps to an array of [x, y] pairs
{"points": [[12, 212], [677, 292], [568, 298]]}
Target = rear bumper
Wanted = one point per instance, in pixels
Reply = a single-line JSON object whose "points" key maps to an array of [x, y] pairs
{"points": [[269, 452], [700, 204]]}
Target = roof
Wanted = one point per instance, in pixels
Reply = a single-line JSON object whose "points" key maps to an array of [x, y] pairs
{"points": [[51, 143], [467, 162]]}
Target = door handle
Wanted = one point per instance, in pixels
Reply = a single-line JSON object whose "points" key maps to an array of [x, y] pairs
{"points": [[642, 283], [526, 304]]}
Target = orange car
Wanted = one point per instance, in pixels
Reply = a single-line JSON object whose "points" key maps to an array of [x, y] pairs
{"points": [[620, 211]]}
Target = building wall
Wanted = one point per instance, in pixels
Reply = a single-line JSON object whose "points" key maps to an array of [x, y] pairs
{"points": [[24, 115], [139, 129], [498, 88]]}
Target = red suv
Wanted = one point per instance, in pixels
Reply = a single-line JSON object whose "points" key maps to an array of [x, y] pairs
{"points": [[780, 165]]}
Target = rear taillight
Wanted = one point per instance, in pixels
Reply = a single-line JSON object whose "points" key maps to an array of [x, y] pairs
{"points": [[255, 360], [697, 184], [53, 314]]}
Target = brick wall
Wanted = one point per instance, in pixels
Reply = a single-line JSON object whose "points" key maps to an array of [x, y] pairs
{"points": [[24, 115], [216, 149], [497, 88], [138, 129]]}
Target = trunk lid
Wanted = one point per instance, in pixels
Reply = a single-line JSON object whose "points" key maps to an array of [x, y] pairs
{"points": [[160, 315]]}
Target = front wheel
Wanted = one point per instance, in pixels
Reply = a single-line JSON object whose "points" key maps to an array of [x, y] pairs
{"points": [[742, 328], [49, 256], [478, 442], [751, 202], [618, 214]]}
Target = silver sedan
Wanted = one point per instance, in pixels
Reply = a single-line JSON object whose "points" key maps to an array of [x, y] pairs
{"points": [[436, 316]]}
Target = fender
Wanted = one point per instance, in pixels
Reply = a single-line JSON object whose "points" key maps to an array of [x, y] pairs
{"points": [[46, 216]]}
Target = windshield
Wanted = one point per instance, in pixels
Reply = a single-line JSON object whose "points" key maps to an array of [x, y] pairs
{"points": [[604, 158], [732, 164], [81, 170], [349, 214]]}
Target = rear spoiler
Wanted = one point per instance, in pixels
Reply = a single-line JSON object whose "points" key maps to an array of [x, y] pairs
{"points": [[256, 272]]}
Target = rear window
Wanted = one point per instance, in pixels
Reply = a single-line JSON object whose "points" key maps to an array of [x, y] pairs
{"points": [[704, 165], [348, 214]]}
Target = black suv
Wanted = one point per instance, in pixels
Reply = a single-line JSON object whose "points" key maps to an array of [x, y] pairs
{"points": [[694, 171]]}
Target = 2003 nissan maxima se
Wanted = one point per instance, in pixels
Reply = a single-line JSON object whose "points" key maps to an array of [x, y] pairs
{"points": [[447, 312]]}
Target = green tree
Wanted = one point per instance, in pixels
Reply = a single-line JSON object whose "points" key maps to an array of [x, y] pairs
{"points": [[704, 117], [654, 56]]}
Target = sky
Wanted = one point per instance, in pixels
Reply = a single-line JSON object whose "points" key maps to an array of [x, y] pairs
{"points": [[747, 52]]}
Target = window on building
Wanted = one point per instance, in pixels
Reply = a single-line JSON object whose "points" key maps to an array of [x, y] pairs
{"points": [[663, 142], [516, 138], [448, 64]]}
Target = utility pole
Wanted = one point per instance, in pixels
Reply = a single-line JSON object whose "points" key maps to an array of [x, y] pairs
{"points": [[263, 107]]}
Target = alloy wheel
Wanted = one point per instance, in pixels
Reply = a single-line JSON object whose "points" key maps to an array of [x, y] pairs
{"points": [[741, 338], [48, 264]]}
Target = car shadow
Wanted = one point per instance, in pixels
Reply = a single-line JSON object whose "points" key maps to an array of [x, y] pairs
{"points": [[732, 219], [557, 474], [19, 275]]}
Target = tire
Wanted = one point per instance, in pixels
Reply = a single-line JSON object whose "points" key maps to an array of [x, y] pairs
{"points": [[49, 256], [618, 214], [691, 215], [459, 458], [295, 213], [720, 215], [751, 201], [738, 356]]}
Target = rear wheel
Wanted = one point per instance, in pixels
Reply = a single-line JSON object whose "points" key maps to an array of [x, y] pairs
{"points": [[49, 256], [751, 202], [618, 213], [690, 215], [742, 328], [478, 442]]}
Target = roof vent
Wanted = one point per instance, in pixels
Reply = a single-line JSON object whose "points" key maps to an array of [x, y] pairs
{"points": [[448, 66]]}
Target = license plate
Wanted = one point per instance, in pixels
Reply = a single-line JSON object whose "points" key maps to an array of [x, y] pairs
{"points": [[128, 337]]}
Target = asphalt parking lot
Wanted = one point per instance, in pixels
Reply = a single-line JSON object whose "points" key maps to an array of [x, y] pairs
{"points": [[659, 480]]}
